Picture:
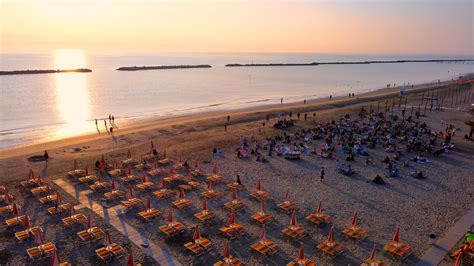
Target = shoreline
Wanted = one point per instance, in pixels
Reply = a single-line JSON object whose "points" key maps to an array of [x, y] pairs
{"points": [[154, 122], [44, 71], [352, 62]]}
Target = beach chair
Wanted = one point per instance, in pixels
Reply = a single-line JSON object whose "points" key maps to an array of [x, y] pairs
{"points": [[131, 202], [260, 194], [329, 247], [27, 233], [59, 209], [301, 259], [16, 220], [372, 261], [31, 182], [40, 190], [353, 231], [129, 162], [228, 259], [88, 179], [200, 243], [263, 245], [182, 201], [91, 234], [76, 173], [149, 213], [172, 227], [99, 185], [233, 230], [397, 249], [210, 193], [293, 230], [234, 186], [145, 186], [78, 218], [215, 177], [163, 193], [37, 252], [48, 199], [205, 216], [318, 217], [287, 205], [234, 204], [262, 216], [129, 177], [113, 195], [196, 171], [156, 172]]}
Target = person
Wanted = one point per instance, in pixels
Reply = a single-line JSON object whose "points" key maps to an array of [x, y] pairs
{"points": [[322, 174], [291, 114], [378, 180], [431, 239], [304, 102], [330, 97], [96, 122], [281, 100], [298, 115], [111, 130], [155, 152], [238, 180], [268, 117], [225, 127], [305, 117], [97, 164], [46, 155], [228, 119], [113, 118], [110, 118]]}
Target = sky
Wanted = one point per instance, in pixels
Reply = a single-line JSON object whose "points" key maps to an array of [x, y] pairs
{"points": [[292, 26]]}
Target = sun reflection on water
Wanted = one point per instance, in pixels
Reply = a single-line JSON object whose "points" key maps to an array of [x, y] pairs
{"points": [[72, 95]]}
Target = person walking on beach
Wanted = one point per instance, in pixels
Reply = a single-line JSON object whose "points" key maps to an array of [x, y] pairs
{"points": [[113, 119], [322, 174], [268, 117], [330, 97], [46, 155], [228, 119], [225, 127], [304, 102], [110, 117], [105, 124], [298, 115], [96, 122], [305, 117]]}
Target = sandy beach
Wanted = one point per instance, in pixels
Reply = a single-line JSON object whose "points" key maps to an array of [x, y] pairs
{"points": [[418, 207]]}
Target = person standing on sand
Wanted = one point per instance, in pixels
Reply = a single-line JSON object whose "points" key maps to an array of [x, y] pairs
{"points": [[225, 127], [281, 100], [268, 117], [96, 122], [228, 119], [330, 97], [298, 115], [304, 102], [105, 124], [322, 174], [305, 117], [46, 155], [113, 119]]}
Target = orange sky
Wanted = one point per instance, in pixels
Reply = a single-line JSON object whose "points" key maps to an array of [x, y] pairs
{"points": [[148, 26]]}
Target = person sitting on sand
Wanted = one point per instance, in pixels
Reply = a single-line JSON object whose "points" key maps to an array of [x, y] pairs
{"points": [[216, 152], [368, 161], [378, 180], [386, 160], [348, 171], [155, 152], [417, 175]]}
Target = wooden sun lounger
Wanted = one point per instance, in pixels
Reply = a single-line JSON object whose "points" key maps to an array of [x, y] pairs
{"points": [[194, 248], [163, 193], [211, 194], [215, 178], [129, 178], [234, 186], [30, 182], [295, 232], [145, 186], [91, 234], [287, 206], [260, 195], [39, 190], [99, 186], [172, 178], [25, 234], [374, 262], [265, 247], [77, 173], [304, 262], [262, 218], [74, 219], [164, 161], [142, 166], [182, 203], [88, 179], [60, 209], [232, 231], [196, 172], [48, 199], [234, 205], [332, 249], [113, 195], [129, 162], [156, 172], [35, 253], [133, 202], [110, 251], [115, 172], [199, 245], [354, 232], [6, 209], [149, 214], [17, 220], [398, 250], [233, 261], [172, 228], [319, 219], [205, 216]]}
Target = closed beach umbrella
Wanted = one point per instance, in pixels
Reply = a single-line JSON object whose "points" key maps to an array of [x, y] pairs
{"points": [[287, 195], [87, 171], [148, 203], [226, 253], [130, 261], [171, 172], [196, 234], [318, 210], [15, 209], [372, 255], [8, 198], [293, 219], [113, 185], [31, 175], [196, 164], [162, 184], [26, 223], [232, 218], [143, 178], [47, 188], [129, 171], [214, 169], [58, 199], [72, 210], [106, 240], [130, 192], [209, 185], [155, 165], [75, 165], [396, 235], [204, 204], [89, 221], [259, 186], [354, 219], [181, 194], [301, 253], [164, 154], [263, 233], [331, 235], [234, 195], [102, 162], [38, 238], [262, 206], [129, 154], [169, 217], [55, 260]]}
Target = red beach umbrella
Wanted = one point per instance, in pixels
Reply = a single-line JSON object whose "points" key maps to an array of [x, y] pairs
{"points": [[164, 154], [259, 186], [293, 219], [214, 169], [26, 223], [263, 233], [396, 235], [87, 171], [114, 187], [102, 162], [262, 206], [457, 262], [107, 241], [8, 198], [58, 199], [55, 260], [75, 165], [181, 194], [331, 235], [209, 185], [204, 204], [155, 165], [129, 154], [234, 195], [301, 253], [31, 175], [196, 234], [232, 218], [169, 217], [130, 192], [72, 210], [148, 203], [129, 171], [171, 172], [318, 210], [287, 196], [38, 238], [89, 221], [15, 209], [372, 255], [196, 164], [226, 253], [48, 189], [143, 178], [354, 219], [162, 184], [130, 261]]}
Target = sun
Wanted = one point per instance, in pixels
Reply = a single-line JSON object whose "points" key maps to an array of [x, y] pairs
{"points": [[69, 59]]}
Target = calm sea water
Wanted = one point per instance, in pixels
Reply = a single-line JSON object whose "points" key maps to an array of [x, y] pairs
{"points": [[37, 108]]}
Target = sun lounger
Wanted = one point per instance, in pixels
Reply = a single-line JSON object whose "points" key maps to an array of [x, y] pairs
{"points": [[211, 194], [39, 190], [234, 186], [17, 220], [199, 245], [232, 231], [113, 195], [303, 262], [262, 217], [74, 219], [149, 214], [265, 247], [375, 262], [294, 231], [354, 232], [115, 172], [234, 205], [88, 179], [129, 162], [398, 250], [145, 186], [99, 186], [91, 234], [25, 234], [142, 166], [319, 219], [287, 206], [42, 250], [110, 251], [163, 193], [129, 178], [60, 209], [215, 178], [164, 161], [132, 202], [6, 209], [205, 216], [173, 178], [156, 172], [332, 249], [196, 172], [77, 173], [30, 182], [49, 198], [182, 203], [260, 195], [173, 228], [231, 261]]}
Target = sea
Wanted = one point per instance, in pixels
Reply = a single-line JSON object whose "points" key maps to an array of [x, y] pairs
{"points": [[43, 107]]}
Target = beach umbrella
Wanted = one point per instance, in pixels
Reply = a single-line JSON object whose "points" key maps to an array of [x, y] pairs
{"points": [[262, 206], [293, 219], [232, 218], [318, 210], [143, 178], [58, 199], [331, 235], [155, 165], [372, 255], [162, 184], [129, 171], [8, 197], [169, 217], [15, 209], [106, 240], [87, 171], [209, 185], [130, 261], [301, 253], [263, 233], [102, 162], [164, 154], [26, 223], [115, 165], [73, 211], [259, 186], [196, 234], [130, 192], [181, 194], [214, 169], [31, 175], [47, 188], [196, 164], [226, 253], [129, 154], [287, 195], [171, 172], [148, 203], [234, 196], [396, 235], [89, 221], [75, 165], [38, 238], [457, 262], [113, 185], [55, 260], [204, 204], [354, 219]]}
